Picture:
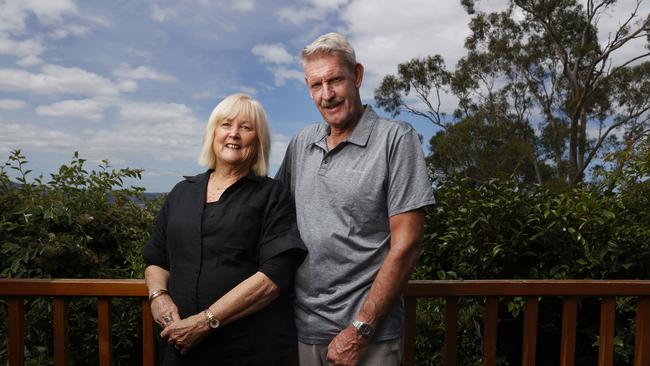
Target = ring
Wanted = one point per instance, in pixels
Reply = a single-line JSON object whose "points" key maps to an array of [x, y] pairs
{"points": [[167, 318], [177, 346]]}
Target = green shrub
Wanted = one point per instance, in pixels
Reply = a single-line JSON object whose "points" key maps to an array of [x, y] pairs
{"points": [[507, 230], [79, 224]]}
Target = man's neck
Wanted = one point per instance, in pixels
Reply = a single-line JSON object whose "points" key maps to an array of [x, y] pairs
{"points": [[338, 135]]}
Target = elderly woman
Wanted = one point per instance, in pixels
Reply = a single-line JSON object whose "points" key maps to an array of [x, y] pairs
{"points": [[224, 250]]}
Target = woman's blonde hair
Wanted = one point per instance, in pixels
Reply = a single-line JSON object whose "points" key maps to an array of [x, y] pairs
{"points": [[242, 106]]}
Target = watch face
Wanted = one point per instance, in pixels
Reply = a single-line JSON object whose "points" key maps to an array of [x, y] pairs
{"points": [[365, 330]]}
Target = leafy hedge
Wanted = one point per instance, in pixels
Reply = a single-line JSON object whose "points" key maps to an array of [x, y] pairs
{"points": [[506, 230], [80, 224]]}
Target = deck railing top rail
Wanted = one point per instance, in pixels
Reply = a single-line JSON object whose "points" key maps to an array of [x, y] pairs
{"points": [[480, 288], [88, 287]]}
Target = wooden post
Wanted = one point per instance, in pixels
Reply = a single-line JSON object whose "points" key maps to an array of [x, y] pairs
{"points": [[16, 310], [529, 347], [490, 331], [148, 357], [60, 321], [642, 338], [451, 331], [606, 349], [104, 331], [410, 306], [569, 322]]}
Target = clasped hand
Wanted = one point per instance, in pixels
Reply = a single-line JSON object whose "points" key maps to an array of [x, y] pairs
{"points": [[183, 334]]}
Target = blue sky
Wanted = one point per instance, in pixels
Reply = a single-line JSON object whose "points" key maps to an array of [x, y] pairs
{"points": [[134, 81]]}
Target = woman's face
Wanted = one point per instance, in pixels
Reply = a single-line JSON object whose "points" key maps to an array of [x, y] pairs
{"points": [[235, 142]]}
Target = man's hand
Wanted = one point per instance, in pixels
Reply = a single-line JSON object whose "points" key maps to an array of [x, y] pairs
{"points": [[347, 348]]}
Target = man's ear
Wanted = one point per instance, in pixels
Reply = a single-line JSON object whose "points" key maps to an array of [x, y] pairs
{"points": [[358, 75]]}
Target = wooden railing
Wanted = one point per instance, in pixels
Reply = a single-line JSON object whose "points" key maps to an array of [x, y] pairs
{"points": [[15, 290], [531, 290]]}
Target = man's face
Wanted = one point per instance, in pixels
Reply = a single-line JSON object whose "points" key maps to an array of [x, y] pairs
{"points": [[334, 87]]}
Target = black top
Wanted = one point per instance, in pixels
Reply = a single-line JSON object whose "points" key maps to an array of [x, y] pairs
{"points": [[209, 249]]}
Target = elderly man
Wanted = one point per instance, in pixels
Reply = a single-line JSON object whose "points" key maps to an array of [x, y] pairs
{"points": [[360, 183]]}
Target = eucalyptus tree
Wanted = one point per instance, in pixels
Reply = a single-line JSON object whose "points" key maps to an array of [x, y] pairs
{"points": [[536, 64]]}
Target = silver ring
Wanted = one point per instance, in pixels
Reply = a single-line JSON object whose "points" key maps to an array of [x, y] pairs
{"points": [[167, 318], [177, 346]]}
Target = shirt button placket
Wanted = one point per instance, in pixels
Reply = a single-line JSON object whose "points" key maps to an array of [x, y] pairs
{"points": [[324, 165]]}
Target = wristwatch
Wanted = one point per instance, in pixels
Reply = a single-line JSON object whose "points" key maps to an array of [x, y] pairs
{"points": [[364, 329], [212, 321]]}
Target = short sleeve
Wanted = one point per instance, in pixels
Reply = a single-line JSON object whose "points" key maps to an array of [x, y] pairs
{"points": [[155, 251], [409, 186], [281, 268], [279, 229]]}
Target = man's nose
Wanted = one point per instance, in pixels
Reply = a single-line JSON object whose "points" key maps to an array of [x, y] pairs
{"points": [[328, 91]]}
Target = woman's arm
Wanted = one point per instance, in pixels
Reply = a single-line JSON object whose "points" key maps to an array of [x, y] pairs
{"points": [[251, 295], [163, 309]]}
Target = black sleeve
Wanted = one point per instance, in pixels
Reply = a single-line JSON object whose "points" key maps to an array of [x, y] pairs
{"points": [[279, 229], [155, 251], [281, 268]]}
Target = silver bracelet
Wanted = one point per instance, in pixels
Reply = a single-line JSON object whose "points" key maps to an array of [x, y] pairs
{"points": [[157, 293]]}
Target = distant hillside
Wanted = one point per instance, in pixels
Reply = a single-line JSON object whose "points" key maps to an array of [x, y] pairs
{"points": [[149, 196]]}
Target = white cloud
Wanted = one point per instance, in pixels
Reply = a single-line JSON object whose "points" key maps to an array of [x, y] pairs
{"points": [[13, 13], [27, 135], [610, 22], [88, 109], [272, 53], [299, 15], [243, 5], [415, 28], [26, 48], [161, 15], [282, 74], [70, 30], [157, 131], [221, 93], [29, 61], [12, 104], [141, 72], [55, 79]]}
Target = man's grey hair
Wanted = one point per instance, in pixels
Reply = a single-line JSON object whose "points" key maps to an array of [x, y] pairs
{"points": [[330, 44]]}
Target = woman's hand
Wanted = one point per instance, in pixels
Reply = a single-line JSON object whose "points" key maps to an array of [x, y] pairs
{"points": [[186, 333], [164, 310]]}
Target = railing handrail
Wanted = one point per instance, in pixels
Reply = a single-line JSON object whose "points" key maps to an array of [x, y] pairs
{"points": [[82, 287], [481, 288], [90, 287]]}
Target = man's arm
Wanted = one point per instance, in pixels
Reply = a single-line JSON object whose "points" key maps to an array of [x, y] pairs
{"points": [[406, 231]]}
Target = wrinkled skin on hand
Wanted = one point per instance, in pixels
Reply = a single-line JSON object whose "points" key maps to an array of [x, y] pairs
{"points": [[347, 348], [186, 333], [164, 310]]}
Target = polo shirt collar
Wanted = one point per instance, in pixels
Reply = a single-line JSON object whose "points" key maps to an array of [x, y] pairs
{"points": [[361, 132]]}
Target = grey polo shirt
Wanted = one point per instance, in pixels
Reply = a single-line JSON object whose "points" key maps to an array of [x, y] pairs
{"points": [[344, 198]]}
